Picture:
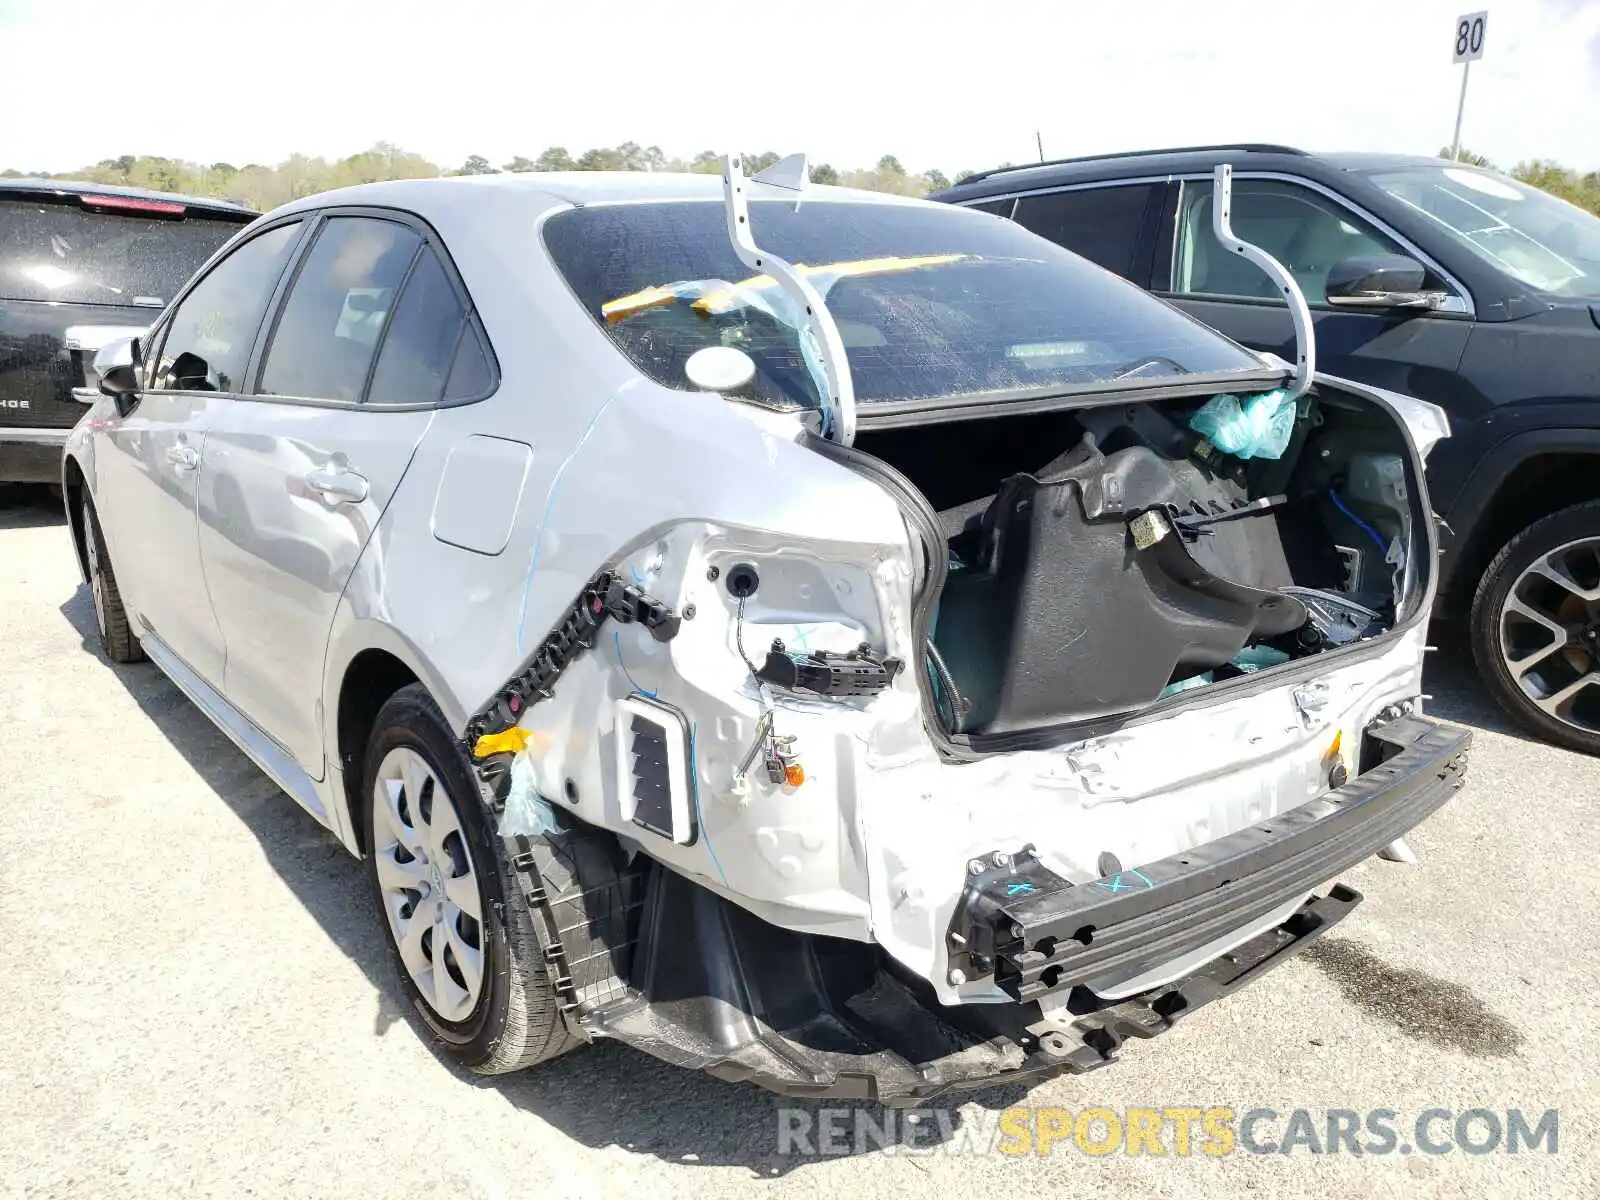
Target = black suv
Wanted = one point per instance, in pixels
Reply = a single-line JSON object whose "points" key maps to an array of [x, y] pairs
{"points": [[80, 264], [1428, 277]]}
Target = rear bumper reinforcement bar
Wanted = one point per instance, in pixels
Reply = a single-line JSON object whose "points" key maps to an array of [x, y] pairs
{"points": [[1039, 933]]}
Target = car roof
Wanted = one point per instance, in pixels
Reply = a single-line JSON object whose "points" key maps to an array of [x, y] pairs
{"points": [[1143, 164], [1360, 160], [457, 192], [79, 187]]}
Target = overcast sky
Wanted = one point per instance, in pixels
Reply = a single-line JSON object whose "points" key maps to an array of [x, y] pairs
{"points": [[942, 83]]}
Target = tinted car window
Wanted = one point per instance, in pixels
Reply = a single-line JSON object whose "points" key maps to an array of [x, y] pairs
{"points": [[421, 341], [472, 375], [999, 208], [1531, 235], [62, 252], [1304, 230], [1102, 224], [209, 336], [329, 326], [930, 301]]}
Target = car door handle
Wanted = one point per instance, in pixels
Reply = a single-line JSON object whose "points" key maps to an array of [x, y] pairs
{"points": [[185, 458], [339, 487]]}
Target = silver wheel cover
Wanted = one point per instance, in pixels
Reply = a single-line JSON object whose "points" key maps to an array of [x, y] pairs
{"points": [[427, 884]]}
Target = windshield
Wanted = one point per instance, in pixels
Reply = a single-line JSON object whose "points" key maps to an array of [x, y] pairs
{"points": [[59, 252], [930, 302], [1535, 238]]}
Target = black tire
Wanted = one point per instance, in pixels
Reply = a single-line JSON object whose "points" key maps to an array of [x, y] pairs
{"points": [[1543, 536], [516, 1022], [116, 635]]}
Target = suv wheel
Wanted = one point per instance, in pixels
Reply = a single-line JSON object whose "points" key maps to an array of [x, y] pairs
{"points": [[1536, 627], [116, 635], [462, 936]]}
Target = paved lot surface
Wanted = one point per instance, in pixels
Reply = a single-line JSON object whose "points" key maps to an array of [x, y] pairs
{"points": [[194, 998]]}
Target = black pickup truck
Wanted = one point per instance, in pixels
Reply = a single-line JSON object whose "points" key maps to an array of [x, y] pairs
{"points": [[80, 264], [1433, 278]]}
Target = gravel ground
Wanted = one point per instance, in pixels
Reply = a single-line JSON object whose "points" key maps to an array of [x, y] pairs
{"points": [[195, 998]]}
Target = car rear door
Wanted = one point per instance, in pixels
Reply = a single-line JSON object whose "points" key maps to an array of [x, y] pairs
{"points": [[1309, 229], [149, 456], [298, 474]]}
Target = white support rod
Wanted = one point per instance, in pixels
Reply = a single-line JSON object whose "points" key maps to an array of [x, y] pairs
{"points": [[1461, 107], [839, 397], [1305, 346]]}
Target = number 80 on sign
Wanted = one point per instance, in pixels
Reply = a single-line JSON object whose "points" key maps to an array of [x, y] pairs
{"points": [[1469, 31]]}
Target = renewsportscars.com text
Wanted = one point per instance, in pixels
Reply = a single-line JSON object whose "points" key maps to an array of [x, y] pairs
{"points": [[1173, 1130]]}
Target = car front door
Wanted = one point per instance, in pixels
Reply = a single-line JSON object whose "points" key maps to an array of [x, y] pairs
{"points": [[149, 465], [299, 473], [1309, 230]]}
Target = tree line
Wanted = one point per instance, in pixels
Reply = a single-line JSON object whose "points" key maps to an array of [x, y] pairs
{"points": [[264, 187], [1576, 187]]}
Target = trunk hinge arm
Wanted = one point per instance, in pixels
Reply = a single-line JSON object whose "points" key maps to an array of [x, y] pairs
{"points": [[1305, 342], [820, 343]]}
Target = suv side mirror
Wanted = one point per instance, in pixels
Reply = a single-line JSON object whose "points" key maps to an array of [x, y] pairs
{"points": [[117, 365], [1380, 281]]}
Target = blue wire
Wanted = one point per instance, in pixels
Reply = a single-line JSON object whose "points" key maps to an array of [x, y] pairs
{"points": [[699, 817], [616, 641], [1372, 533], [544, 519]]}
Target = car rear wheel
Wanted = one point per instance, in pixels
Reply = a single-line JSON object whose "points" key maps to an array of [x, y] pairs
{"points": [[1536, 627], [116, 635], [458, 925]]}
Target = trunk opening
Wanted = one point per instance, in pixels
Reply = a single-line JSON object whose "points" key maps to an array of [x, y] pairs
{"points": [[1101, 559]]}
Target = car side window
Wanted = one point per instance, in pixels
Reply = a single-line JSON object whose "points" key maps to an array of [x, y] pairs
{"points": [[1304, 230], [1000, 208], [208, 339], [1101, 224], [337, 307], [472, 373], [420, 344]]}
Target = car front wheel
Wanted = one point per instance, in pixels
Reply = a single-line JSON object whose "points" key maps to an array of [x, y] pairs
{"points": [[458, 925], [1536, 627], [116, 634]]}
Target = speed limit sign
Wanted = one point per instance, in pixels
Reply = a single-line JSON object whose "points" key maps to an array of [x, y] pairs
{"points": [[1469, 36]]}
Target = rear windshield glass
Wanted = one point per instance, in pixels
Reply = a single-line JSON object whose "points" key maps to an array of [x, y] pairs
{"points": [[930, 302], [61, 252]]}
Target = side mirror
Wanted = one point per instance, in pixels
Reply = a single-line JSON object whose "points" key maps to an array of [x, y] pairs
{"points": [[1380, 281], [117, 365]]}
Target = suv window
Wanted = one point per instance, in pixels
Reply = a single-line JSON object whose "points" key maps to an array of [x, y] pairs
{"points": [[1304, 230], [998, 208], [329, 326], [1530, 235], [1102, 224], [57, 251], [421, 342], [209, 337]]}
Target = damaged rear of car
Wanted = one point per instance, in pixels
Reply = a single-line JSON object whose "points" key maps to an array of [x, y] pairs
{"points": [[1068, 761], [830, 640]]}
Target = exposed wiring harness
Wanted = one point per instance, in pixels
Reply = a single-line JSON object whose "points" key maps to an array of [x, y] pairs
{"points": [[1382, 542], [738, 638], [616, 642], [945, 690]]}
